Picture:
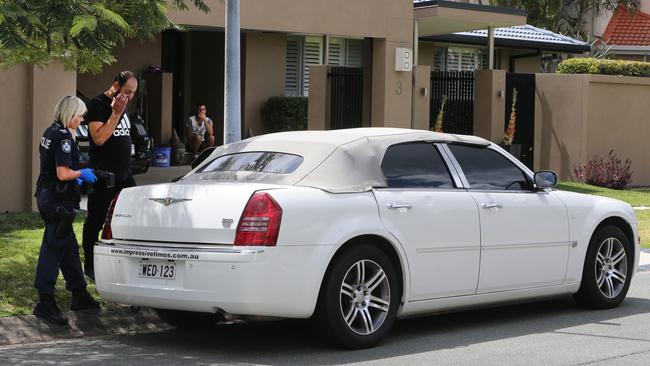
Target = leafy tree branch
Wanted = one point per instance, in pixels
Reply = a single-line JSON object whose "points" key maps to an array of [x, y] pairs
{"points": [[80, 33]]}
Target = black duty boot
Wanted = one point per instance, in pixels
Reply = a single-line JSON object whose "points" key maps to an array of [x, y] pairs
{"points": [[81, 300], [47, 310]]}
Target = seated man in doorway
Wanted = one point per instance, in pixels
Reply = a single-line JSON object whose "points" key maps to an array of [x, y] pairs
{"points": [[199, 131]]}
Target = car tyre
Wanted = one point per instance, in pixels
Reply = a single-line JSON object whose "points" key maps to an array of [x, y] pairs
{"points": [[188, 319], [358, 301], [607, 270]]}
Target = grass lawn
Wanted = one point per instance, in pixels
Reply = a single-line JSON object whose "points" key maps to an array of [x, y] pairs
{"points": [[635, 197], [20, 241]]}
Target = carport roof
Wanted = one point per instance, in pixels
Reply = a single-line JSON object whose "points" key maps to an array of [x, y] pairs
{"points": [[436, 17], [468, 6], [522, 36]]}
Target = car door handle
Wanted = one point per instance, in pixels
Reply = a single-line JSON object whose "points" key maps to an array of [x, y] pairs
{"points": [[490, 205], [397, 205]]}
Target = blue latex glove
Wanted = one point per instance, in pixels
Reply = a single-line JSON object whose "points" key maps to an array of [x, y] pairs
{"points": [[87, 175], [79, 181]]}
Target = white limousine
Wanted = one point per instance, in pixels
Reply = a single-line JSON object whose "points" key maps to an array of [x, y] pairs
{"points": [[357, 228]]}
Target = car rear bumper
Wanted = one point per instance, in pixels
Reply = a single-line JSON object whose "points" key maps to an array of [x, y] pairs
{"points": [[278, 281]]}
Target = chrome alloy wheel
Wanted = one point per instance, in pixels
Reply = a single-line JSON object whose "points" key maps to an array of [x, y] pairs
{"points": [[611, 267], [365, 297]]}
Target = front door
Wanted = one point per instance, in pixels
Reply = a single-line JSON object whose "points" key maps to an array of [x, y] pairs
{"points": [[436, 222], [524, 233]]}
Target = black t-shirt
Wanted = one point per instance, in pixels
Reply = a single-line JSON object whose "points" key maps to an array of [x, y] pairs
{"points": [[114, 156], [57, 148]]}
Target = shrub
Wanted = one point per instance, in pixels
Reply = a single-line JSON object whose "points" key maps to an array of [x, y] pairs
{"points": [[285, 113], [604, 67], [610, 173]]}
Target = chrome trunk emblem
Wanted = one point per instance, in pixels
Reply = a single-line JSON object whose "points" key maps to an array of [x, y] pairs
{"points": [[169, 200]]}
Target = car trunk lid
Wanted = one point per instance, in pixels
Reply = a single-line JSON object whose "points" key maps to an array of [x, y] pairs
{"points": [[206, 213]]}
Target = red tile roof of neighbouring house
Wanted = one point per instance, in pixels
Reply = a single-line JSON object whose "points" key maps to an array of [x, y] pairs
{"points": [[630, 28]]}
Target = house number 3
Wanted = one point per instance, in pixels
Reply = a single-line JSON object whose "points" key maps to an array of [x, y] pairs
{"points": [[398, 89]]}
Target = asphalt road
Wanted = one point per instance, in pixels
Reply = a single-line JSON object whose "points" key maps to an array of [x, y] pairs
{"points": [[554, 332]]}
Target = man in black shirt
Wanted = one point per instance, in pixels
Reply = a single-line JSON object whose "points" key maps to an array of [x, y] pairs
{"points": [[110, 150]]}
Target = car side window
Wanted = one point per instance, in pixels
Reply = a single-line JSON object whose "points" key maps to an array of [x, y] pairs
{"points": [[487, 169], [415, 165]]}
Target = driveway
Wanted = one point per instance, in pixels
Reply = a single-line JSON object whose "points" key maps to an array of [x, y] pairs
{"points": [[553, 332]]}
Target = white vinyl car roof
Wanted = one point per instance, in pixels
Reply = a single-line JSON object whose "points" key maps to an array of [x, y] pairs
{"points": [[336, 161]]}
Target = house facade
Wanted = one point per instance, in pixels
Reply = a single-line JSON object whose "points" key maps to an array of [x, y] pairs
{"points": [[282, 40]]}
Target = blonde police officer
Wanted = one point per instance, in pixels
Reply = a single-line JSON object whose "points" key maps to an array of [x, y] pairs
{"points": [[57, 195]]}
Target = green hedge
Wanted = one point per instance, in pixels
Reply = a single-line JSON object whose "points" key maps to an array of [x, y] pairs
{"points": [[604, 67], [285, 114]]}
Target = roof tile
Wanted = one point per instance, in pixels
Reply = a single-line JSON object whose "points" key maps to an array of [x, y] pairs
{"points": [[526, 32], [628, 28]]}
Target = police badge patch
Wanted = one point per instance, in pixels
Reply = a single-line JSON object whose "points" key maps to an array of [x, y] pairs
{"points": [[66, 146]]}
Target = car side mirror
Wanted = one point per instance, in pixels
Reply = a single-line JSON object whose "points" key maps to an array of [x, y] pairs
{"points": [[202, 156], [545, 179]]}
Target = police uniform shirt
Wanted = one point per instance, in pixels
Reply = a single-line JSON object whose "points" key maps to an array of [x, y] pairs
{"points": [[115, 154], [57, 148]]}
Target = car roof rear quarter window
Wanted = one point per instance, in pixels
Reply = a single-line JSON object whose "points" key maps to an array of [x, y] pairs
{"points": [[415, 165]]}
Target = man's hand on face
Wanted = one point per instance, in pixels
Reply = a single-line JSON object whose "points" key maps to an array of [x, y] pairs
{"points": [[119, 103], [202, 116]]}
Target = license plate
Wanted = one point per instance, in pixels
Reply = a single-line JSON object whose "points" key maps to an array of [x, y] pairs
{"points": [[157, 269]]}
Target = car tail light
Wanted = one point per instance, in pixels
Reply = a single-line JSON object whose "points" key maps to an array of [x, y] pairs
{"points": [[107, 232], [260, 222]]}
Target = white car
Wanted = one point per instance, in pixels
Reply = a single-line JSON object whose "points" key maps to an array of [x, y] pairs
{"points": [[359, 227]]}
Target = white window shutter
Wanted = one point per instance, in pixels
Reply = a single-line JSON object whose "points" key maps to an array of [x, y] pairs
{"points": [[453, 59], [468, 61], [313, 55], [439, 59], [354, 53], [484, 59], [465, 59], [293, 74], [336, 54]]}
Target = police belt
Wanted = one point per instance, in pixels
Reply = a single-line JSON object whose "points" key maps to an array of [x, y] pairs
{"points": [[68, 190]]}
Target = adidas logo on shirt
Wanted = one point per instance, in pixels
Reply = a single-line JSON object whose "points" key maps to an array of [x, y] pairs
{"points": [[124, 127]]}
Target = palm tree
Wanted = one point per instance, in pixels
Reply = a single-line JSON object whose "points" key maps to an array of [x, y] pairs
{"points": [[81, 33]]}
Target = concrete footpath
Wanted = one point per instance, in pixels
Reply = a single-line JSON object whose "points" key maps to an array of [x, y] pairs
{"points": [[110, 320]]}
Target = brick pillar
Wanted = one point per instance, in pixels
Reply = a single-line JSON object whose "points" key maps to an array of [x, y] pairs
{"points": [[319, 95], [422, 97], [489, 104]]}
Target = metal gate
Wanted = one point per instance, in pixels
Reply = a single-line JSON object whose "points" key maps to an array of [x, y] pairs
{"points": [[524, 113], [346, 98], [457, 89]]}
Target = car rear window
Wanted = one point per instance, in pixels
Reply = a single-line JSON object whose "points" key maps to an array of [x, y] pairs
{"points": [[263, 162]]}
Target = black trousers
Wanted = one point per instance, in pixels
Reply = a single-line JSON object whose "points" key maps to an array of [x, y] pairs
{"points": [[57, 252], [98, 202]]}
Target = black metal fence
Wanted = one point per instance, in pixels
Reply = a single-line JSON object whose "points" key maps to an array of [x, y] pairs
{"points": [[458, 87], [346, 98], [524, 113]]}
